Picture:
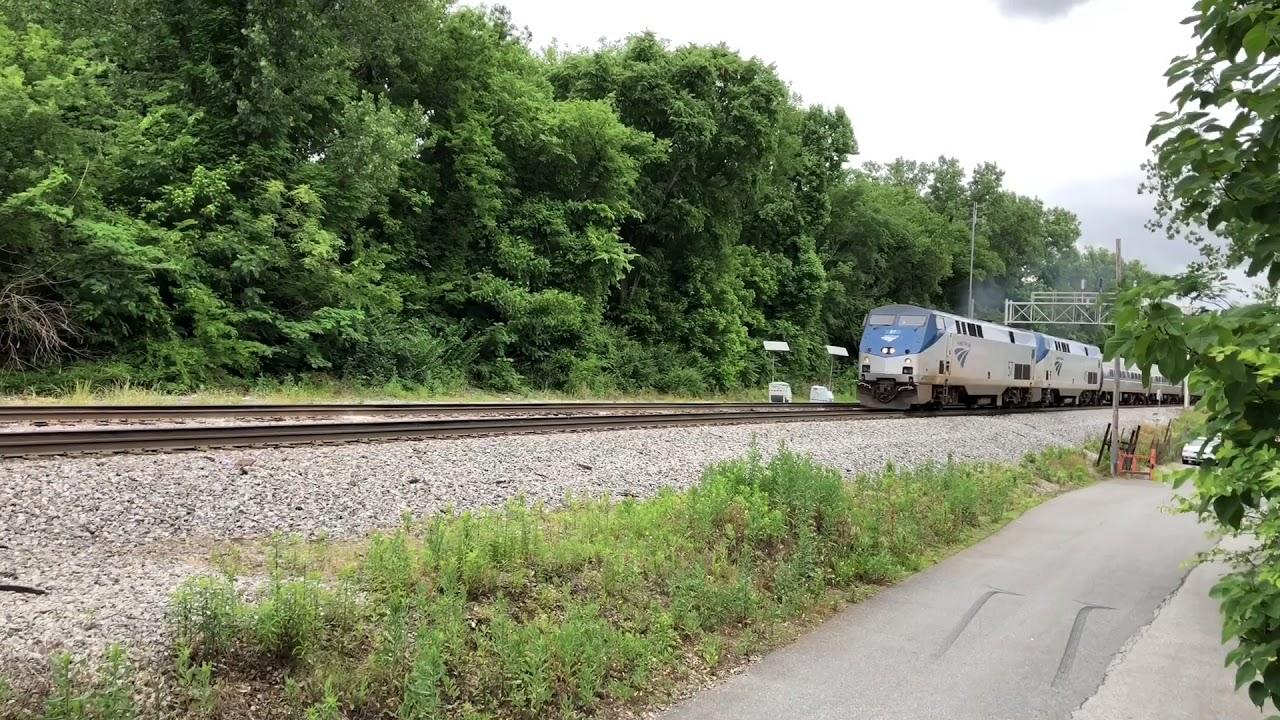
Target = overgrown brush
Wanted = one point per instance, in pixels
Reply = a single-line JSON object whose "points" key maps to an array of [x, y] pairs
{"points": [[526, 612]]}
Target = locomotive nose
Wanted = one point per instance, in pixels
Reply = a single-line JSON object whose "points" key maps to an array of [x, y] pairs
{"points": [[899, 367]]}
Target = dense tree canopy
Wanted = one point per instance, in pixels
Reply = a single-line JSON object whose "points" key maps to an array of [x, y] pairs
{"points": [[197, 192]]}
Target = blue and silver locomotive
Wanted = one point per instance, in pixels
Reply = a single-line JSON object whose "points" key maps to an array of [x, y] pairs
{"points": [[912, 357]]}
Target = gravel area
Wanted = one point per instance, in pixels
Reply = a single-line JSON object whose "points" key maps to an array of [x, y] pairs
{"points": [[110, 537]]}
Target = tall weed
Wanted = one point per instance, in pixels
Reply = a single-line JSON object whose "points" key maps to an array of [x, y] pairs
{"points": [[85, 691], [524, 612]]}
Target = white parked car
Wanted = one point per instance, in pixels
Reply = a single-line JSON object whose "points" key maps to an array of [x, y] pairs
{"points": [[1196, 450]]}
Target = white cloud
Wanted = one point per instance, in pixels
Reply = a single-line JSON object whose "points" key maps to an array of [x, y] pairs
{"points": [[1039, 9]]}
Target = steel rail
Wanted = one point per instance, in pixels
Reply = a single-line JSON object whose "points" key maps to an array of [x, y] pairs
{"points": [[123, 439], [59, 442], [86, 413]]}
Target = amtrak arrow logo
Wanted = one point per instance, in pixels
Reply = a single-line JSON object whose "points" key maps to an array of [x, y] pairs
{"points": [[888, 338], [1057, 367], [962, 354]]}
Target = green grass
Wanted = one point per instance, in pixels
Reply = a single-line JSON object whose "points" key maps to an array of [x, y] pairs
{"points": [[319, 391], [526, 612]]}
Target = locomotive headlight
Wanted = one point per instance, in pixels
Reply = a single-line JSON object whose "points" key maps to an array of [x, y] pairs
{"points": [[906, 361]]}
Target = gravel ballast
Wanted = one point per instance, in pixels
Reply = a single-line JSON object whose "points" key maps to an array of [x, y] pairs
{"points": [[109, 538]]}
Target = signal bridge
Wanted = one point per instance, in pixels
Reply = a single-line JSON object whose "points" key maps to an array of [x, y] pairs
{"points": [[1061, 308]]}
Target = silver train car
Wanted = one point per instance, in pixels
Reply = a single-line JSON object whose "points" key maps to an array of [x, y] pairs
{"points": [[913, 357]]}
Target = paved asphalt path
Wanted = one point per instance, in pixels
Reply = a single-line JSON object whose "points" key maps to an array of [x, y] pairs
{"points": [[1018, 627], [1176, 669]]}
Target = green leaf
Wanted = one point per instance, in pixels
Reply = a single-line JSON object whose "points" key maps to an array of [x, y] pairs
{"points": [[1265, 105], [1229, 510], [1270, 678], [1216, 215], [1178, 68], [1244, 674], [1159, 129], [1186, 183], [1255, 41], [1258, 693]]}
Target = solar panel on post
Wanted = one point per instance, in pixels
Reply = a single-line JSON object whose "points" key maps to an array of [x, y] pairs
{"points": [[774, 346], [834, 351]]}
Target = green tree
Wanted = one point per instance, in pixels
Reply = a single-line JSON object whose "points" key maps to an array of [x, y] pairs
{"points": [[1020, 243], [782, 266], [1216, 170], [883, 245], [724, 119]]}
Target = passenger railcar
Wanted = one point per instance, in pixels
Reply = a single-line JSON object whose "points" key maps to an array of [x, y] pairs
{"points": [[911, 356], [1134, 392]]}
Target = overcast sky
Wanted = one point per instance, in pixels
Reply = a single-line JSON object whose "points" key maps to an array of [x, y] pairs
{"points": [[1059, 93]]}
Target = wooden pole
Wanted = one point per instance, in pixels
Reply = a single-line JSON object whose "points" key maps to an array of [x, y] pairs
{"points": [[1115, 392]]}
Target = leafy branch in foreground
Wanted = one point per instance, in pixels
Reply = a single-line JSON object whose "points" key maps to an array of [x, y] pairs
{"points": [[1217, 168]]}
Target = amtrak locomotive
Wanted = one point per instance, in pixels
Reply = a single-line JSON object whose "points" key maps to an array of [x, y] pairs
{"points": [[915, 357]]}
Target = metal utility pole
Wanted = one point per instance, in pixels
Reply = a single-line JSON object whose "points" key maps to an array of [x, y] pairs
{"points": [[1115, 391], [973, 239]]}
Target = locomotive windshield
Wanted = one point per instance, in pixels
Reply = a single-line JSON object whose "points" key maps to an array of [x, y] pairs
{"points": [[912, 320], [879, 319]]}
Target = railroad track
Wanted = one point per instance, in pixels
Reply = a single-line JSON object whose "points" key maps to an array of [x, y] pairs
{"points": [[87, 413], [133, 439], [61, 442]]}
